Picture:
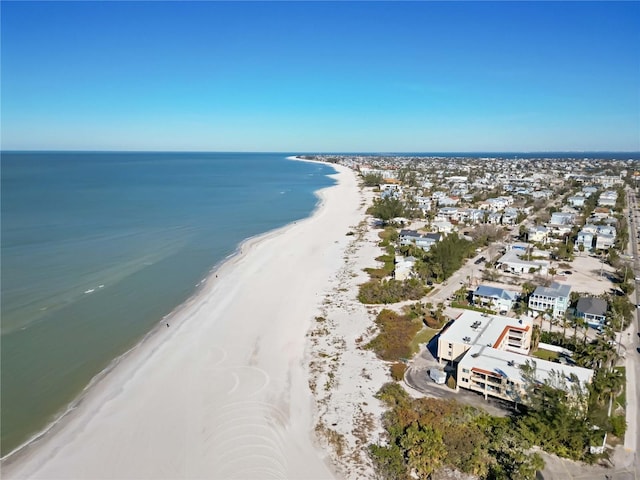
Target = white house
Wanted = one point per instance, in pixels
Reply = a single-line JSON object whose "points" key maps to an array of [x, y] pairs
{"points": [[448, 201], [605, 241], [390, 190], [448, 213], [576, 201], [509, 216], [494, 218], [606, 230], [403, 266], [542, 194], [585, 238], [608, 198], [538, 234], [472, 215], [443, 227], [562, 218], [424, 204], [512, 261]]}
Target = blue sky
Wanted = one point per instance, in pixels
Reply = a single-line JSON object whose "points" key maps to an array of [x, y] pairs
{"points": [[306, 76]]}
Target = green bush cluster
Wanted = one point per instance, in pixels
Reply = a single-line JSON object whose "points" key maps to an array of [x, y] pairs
{"points": [[618, 425], [444, 258], [426, 434], [393, 342], [378, 291], [397, 371]]}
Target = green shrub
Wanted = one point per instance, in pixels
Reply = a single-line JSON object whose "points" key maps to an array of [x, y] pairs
{"points": [[618, 425], [397, 371], [391, 291], [433, 322], [393, 343]]}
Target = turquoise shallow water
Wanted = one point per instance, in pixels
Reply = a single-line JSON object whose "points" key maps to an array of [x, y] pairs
{"points": [[98, 247]]}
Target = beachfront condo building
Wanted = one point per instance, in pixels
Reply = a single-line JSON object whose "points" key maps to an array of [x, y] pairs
{"points": [[488, 352]]}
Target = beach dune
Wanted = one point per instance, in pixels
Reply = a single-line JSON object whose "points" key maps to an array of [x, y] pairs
{"points": [[220, 388]]}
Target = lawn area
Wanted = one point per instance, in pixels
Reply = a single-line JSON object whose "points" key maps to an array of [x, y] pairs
{"points": [[543, 354], [423, 336], [472, 307]]}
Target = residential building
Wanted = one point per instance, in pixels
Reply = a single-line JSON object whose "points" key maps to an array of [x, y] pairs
{"points": [[497, 299], [538, 234], [424, 204], [600, 213], [509, 216], [494, 218], [541, 194], [593, 310], [608, 198], [576, 201], [390, 190], [605, 241], [562, 218], [472, 215], [412, 237], [472, 328], [448, 201], [497, 373], [403, 267], [606, 230], [443, 227], [448, 213], [513, 261], [488, 352], [553, 299], [585, 238]]}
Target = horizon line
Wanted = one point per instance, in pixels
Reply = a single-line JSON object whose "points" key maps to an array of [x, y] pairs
{"points": [[358, 152]]}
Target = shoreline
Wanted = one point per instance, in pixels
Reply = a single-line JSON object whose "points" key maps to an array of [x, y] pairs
{"points": [[242, 249], [80, 414]]}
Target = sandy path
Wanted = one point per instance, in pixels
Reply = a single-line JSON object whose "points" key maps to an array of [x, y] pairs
{"points": [[223, 392]]}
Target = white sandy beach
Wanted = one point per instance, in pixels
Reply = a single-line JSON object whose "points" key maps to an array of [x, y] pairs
{"points": [[223, 392]]}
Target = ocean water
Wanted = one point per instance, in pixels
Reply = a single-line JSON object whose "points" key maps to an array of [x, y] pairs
{"points": [[97, 247]]}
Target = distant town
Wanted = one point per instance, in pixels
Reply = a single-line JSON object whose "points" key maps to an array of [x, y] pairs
{"points": [[523, 275]]}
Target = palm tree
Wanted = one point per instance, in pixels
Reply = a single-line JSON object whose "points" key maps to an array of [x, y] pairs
{"points": [[549, 312], [535, 337], [606, 384], [601, 352], [565, 321], [527, 289], [576, 322]]}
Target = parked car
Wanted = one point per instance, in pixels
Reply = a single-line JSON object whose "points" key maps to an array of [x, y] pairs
{"points": [[479, 261]]}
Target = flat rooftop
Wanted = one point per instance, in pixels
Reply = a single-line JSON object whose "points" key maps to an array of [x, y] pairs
{"points": [[515, 256], [476, 328], [507, 364]]}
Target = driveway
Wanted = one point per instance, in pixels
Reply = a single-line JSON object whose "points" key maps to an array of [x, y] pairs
{"points": [[417, 379]]}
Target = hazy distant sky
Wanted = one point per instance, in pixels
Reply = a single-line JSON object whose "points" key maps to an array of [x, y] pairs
{"points": [[305, 76]]}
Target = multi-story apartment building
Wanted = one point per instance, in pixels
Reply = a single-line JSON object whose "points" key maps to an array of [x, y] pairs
{"points": [[488, 352], [553, 299]]}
